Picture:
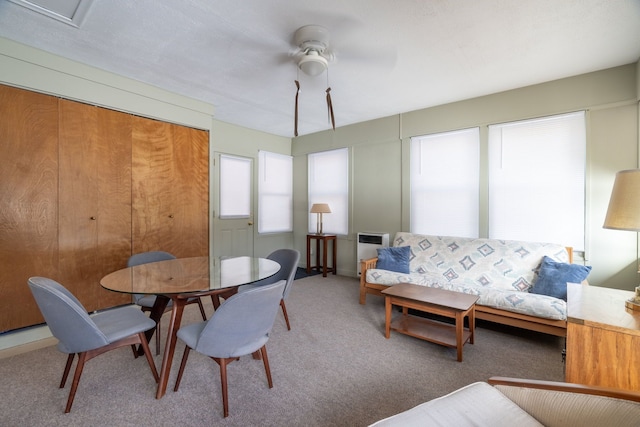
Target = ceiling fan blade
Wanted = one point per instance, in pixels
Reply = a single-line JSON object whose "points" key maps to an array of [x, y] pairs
{"points": [[380, 58]]}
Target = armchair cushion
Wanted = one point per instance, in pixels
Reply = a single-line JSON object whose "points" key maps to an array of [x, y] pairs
{"points": [[477, 404]]}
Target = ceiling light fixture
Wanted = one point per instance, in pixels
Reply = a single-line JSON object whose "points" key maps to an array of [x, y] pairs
{"points": [[313, 64]]}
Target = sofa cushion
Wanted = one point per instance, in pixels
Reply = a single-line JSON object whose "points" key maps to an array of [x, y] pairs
{"points": [[505, 264], [394, 259], [553, 277], [477, 404]]}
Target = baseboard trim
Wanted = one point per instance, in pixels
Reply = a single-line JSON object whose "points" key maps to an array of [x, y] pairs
{"points": [[25, 340]]}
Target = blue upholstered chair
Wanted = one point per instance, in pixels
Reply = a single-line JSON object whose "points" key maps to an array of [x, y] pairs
{"points": [[86, 336], [288, 260], [146, 302], [240, 326]]}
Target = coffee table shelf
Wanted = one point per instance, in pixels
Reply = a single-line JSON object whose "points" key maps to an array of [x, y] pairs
{"points": [[440, 302], [429, 330]]}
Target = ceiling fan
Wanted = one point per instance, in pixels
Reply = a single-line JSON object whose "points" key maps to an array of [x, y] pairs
{"points": [[313, 57], [313, 54]]}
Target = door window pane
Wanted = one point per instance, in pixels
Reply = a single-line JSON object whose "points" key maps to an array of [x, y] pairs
{"points": [[235, 187]]}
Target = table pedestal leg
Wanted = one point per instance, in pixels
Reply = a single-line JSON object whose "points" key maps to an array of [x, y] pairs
{"points": [[155, 314], [169, 349]]}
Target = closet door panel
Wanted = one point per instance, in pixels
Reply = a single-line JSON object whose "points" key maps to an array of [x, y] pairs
{"points": [[191, 156], [28, 200], [170, 185], [95, 200]]}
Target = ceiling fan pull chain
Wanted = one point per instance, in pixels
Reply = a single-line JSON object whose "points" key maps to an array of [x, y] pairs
{"points": [[330, 107], [295, 123]]}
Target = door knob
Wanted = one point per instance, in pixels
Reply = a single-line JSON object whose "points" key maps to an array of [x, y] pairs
{"points": [[250, 223]]}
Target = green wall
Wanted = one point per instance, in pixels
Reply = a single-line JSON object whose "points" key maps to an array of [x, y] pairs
{"points": [[379, 148], [240, 141], [32, 69], [380, 161]]}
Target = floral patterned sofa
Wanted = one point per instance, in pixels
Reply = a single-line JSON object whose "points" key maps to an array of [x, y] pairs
{"points": [[500, 272]]}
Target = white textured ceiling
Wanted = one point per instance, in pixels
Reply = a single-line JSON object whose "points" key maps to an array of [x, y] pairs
{"points": [[392, 56]]}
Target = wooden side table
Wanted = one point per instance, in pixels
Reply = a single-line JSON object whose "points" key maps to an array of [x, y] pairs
{"points": [[603, 338], [325, 239]]}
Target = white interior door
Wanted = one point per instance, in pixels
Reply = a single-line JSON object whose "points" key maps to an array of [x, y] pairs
{"points": [[233, 218]]}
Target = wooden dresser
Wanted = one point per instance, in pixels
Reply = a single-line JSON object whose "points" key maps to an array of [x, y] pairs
{"points": [[603, 338]]}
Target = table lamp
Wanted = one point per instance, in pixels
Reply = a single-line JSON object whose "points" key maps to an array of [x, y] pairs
{"points": [[319, 209], [624, 212]]}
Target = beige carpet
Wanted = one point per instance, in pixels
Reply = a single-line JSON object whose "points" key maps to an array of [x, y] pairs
{"points": [[334, 368]]}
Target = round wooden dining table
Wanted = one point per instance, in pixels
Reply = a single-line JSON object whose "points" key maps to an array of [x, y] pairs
{"points": [[178, 280]]}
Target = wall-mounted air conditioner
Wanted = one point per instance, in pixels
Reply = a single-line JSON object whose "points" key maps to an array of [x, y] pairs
{"points": [[368, 244]]}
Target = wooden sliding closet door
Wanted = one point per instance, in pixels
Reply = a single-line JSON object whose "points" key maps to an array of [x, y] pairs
{"points": [[95, 200], [28, 200], [170, 184], [82, 188]]}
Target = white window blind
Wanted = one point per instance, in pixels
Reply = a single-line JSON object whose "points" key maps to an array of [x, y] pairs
{"points": [[537, 180], [235, 187], [275, 192], [444, 183], [329, 183]]}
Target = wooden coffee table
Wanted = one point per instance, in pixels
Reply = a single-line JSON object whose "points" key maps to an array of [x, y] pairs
{"points": [[451, 304]]}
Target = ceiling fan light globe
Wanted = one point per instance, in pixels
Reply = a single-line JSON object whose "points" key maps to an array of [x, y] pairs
{"points": [[313, 65]]}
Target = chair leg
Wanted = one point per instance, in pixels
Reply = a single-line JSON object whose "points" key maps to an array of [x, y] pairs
{"points": [[147, 353], [265, 360], [215, 299], [90, 354], [284, 311], [135, 351], [185, 356], [223, 380], [76, 379], [156, 331], [204, 315], [226, 294], [67, 368]]}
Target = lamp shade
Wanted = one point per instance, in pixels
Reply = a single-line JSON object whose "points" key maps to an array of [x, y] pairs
{"points": [[320, 208], [624, 206]]}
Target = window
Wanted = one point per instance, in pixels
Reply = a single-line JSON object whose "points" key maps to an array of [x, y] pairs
{"points": [[235, 187], [275, 192], [537, 180], [329, 183], [444, 183]]}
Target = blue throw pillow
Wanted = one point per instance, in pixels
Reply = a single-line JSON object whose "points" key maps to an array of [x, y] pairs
{"points": [[394, 259], [553, 277]]}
